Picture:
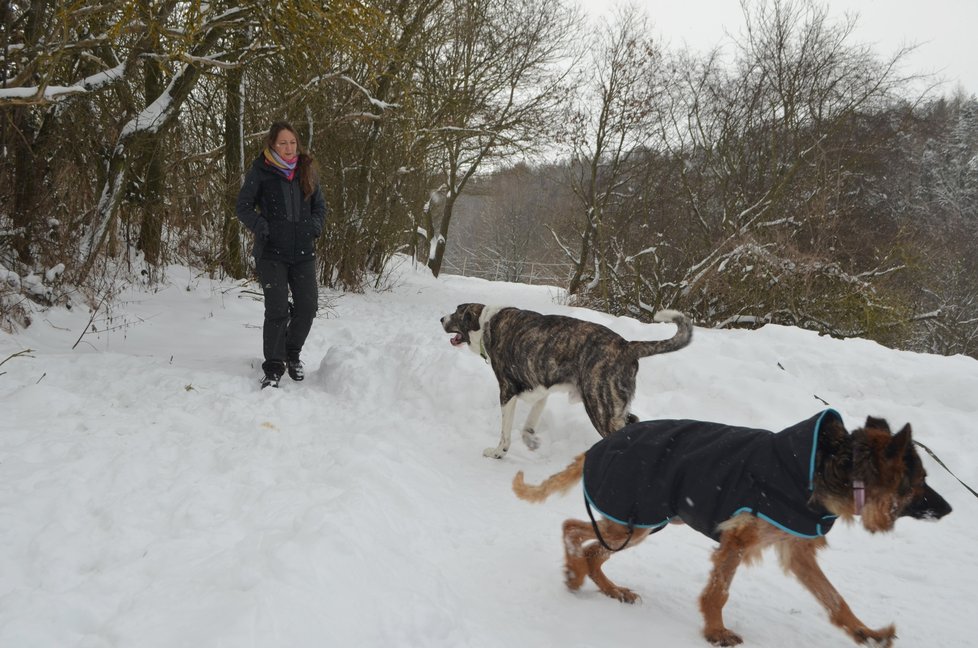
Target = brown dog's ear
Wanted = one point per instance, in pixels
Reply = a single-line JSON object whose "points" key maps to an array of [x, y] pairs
{"points": [[833, 436], [899, 444], [864, 456], [877, 423]]}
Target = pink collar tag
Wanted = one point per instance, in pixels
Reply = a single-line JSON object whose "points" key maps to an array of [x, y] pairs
{"points": [[859, 495]]}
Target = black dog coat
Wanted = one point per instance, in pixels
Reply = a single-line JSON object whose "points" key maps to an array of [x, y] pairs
{"points": [[648, 473]]}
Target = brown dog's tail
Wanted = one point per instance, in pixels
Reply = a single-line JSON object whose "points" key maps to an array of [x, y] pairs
{"points": [[683, 336], [559, 483]]}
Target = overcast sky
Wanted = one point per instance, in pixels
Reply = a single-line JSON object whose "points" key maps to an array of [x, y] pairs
{"points": [[946, 31]]}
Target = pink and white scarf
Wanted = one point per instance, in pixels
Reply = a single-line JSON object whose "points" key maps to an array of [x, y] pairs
{"points": [[280, 164]]}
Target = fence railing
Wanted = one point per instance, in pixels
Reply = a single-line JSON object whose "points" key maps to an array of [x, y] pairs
{"points": [[531, 272]]}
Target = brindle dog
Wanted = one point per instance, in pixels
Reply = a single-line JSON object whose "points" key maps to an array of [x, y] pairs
{"points": [[870, 472], [532, 353]]}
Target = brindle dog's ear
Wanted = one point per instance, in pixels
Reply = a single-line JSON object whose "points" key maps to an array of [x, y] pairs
{"points": [[471, 316], [899, 444]]}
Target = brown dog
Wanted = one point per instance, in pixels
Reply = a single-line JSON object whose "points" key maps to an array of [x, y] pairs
{"points": [[533, 354], [747, 488]]}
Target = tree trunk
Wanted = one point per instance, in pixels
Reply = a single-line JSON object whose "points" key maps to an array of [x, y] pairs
{"points": [[437, 254], [150, 196], [587, 243], [231, 257], [24, 216]]}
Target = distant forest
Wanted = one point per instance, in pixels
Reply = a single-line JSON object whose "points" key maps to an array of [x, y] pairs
{"points": [[793, 175]]}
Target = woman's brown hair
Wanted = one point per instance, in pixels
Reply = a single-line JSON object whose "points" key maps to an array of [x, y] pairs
{"points": [[307, 168]]}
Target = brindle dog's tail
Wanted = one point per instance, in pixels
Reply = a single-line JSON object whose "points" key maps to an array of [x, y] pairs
{"points": [[559, 483], [683, 336]]}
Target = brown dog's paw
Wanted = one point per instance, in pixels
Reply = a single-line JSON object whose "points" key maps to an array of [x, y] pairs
{"points": [[882, 638], [722, 637], [574, 578], [624, 595]]}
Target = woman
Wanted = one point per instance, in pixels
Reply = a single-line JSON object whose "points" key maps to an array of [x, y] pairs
{"points": [[282, 204]]}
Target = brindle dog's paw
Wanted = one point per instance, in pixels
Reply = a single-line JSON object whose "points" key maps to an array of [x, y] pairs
{"points": [[494, 453], [531, 439]]}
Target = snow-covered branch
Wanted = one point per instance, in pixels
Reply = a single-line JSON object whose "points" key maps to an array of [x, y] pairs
{"points": [[382, 105], [35, 95]]}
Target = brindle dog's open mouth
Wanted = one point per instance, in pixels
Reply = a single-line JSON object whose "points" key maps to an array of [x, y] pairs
{"points": [[457, 339]]}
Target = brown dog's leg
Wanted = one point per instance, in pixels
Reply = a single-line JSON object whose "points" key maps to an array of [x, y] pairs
{"points": [[576, 533], [584, 561], [615, 535], [798, 557], [735, 544]]}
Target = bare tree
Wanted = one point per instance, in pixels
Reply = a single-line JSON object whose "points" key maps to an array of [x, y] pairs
{"points": [[207, 29], [490, 87], [51, 51], [929, 181], [606, 129], [362, 100], [766, 141]]}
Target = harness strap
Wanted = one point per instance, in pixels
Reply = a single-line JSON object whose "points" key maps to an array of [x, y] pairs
{"points": [[594, 525], [944, 466]]}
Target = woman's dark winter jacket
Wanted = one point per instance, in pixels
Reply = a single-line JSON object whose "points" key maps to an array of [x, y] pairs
{"points": [[705, 473], [293, 222]]}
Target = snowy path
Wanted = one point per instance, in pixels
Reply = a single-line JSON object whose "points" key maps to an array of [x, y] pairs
{"points": [[151, 495]]}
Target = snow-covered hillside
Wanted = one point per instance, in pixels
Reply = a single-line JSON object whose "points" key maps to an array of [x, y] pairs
{"points": [[152, 496]]}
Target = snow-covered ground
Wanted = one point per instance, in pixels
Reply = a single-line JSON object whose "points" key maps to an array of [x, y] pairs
{"points": [[152, 495]]}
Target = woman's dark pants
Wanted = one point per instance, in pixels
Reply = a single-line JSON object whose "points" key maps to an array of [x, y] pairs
{"points": [[284, 333]]}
